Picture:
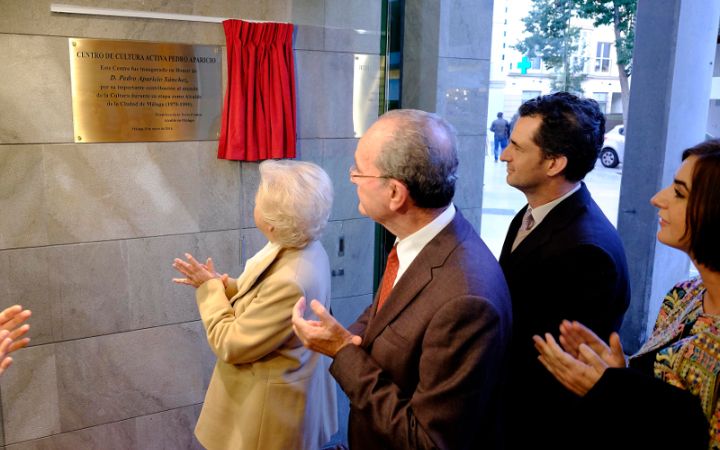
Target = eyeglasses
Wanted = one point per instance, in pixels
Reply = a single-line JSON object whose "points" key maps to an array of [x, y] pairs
{"points": [[353, 172]]}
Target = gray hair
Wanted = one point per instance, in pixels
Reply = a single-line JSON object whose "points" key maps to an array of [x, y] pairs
{"points": [[295, 197], [422, 153]]}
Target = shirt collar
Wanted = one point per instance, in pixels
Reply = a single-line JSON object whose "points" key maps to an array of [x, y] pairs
{"points": [[412, 245], [542, 211]]}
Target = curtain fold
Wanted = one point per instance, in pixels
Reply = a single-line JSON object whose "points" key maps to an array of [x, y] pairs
{"points": [[258, 120]]}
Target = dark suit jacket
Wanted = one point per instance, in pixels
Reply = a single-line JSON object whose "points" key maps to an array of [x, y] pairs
{"points": [[571, 266], [635, 410], [427, 371]]}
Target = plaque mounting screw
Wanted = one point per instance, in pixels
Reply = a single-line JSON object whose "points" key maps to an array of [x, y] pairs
{"points": [[74, 44], [79, 138]]}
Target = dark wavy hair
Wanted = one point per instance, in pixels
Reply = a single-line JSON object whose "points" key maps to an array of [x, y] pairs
{"points": [[422, 154], [571, 126], [702, 219]]}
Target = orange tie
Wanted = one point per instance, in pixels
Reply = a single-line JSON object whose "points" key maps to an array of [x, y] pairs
{"points": [[391, 270]]}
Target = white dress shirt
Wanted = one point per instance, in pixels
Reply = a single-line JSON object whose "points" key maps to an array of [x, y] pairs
{"points": [[411, 246], [539, 213]]}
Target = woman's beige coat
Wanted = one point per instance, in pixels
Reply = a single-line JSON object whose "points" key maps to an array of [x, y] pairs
{"points": [[267, 391]]}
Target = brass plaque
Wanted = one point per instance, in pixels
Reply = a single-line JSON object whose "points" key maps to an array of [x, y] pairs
{"points": [[129, 91], [366, 92]]}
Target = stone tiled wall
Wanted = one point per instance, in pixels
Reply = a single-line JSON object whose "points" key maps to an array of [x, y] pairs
{"points": [[446, 69], [88, 231]]}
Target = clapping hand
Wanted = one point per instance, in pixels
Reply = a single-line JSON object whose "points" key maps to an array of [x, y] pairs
{"points": [[12, 330], [324, 336], [583, 357], [196, 273], [573, 334]]}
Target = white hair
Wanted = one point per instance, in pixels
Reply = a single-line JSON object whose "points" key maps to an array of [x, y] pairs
{"points": [[294, 197]]}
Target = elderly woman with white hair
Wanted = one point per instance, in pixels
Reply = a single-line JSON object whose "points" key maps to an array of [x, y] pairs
{"points": [[267, 391]]}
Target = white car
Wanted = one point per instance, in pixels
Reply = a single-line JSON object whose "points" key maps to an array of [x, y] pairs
{"points": [[613, 149]]}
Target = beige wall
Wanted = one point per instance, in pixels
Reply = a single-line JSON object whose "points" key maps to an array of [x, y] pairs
{"points": [[88, 231]]}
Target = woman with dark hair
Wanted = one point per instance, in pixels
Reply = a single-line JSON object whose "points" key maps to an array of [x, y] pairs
{"points": [[667, 396]]}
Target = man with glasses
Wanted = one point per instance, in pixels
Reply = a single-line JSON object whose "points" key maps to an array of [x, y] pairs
{"points": [[421, 366]]}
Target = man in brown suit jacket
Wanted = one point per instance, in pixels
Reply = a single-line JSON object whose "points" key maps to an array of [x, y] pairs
{"points": [[422, 370]]}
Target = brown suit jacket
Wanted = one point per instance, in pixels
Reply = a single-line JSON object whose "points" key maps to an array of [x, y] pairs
{"points": [[427, 371], [267, 391]]}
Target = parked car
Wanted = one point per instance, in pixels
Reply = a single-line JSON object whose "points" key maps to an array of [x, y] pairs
{"points": [[613, 149]]}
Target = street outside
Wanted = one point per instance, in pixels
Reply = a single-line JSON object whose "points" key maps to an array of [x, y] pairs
{"points": [[501, 202]]}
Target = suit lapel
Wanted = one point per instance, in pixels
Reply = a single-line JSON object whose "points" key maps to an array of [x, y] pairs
{"points": [[247, 279], [417, 276], [512, 232], [553, 223]]}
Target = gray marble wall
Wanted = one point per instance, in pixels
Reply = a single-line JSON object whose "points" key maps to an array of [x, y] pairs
{"points": [[88, 231], [446, 69]]}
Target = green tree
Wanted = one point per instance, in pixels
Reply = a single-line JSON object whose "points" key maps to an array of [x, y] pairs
{"points": [[621, 15], [551, 37]]}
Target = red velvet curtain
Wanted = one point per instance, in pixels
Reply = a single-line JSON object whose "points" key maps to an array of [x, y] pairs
{"points": [[258, 119]]}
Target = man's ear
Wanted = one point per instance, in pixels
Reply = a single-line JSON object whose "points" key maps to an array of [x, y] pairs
{"points": [[399, 195], [556, 165]]}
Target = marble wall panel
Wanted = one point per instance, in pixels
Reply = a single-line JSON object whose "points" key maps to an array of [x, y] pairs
{"points": [[335, 156], [224, 247], [89, 282], [21, 191], [25, 280], [99, 288], [469, 187], [338, 157], [356, 262], [465, 28], [30, 395], [35, 18], [353, 26], [309, 37], [420, 54], [136, 190], [252, 241], [462, 93], [153, 298], [217, 183], [169, 429], [325, 94], [110, 192], [250, 180], [306, 12], [112, 436], [111, 378], [35, 92], [311, 150], [347, 309]]}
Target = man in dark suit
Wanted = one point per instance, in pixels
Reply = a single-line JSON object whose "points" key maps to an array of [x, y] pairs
{"points": [[562, 258], [421, 366]]}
